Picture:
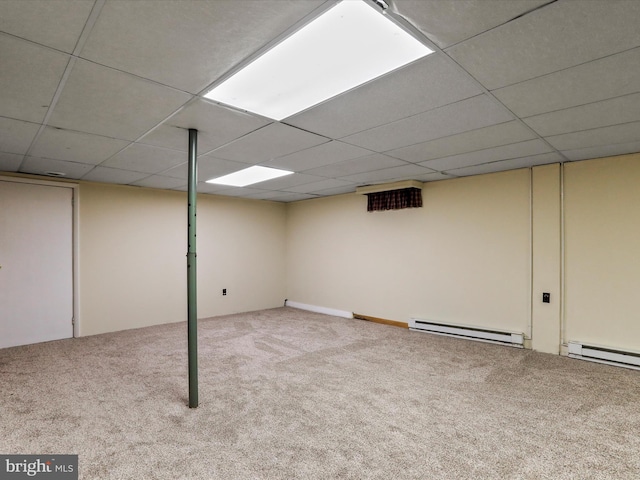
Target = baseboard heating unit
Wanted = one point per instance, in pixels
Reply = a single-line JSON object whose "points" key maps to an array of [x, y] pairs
{"points": [[606, 355], [470, 333]]}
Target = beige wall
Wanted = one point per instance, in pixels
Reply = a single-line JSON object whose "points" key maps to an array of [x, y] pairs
{"points": [[133, 256], [602, 231], [546, 258], [463, 258], [480, 253]]}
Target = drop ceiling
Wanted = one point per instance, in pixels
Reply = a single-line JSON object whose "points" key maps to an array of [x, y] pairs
{"points": [[105, 91]]}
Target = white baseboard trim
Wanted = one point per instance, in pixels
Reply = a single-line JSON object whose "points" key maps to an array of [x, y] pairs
{"points": [[314, 308]]}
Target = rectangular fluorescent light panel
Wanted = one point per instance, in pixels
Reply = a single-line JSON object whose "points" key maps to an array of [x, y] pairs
{"points": [[249, 176], [348, 45]]}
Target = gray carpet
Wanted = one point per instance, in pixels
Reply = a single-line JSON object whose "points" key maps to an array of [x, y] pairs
{"points": [[287, 394]]}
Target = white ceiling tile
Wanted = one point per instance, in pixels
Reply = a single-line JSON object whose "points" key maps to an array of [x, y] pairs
{"points": [[158, 181], [55, 23], [314, 187], [9, 162], [628, 132], [39, 166], [29, 78], [16, 136], [487, 137], [274, 140], [598, 114], [110, 103], [184, 43], [426, 84], [73, 146], [285, 183], [560, 35], [602, 151], [145, 158], [525, 162], [459, 117], [318, 156], [448, 22], [216, 125], [356, 165], [113, 175], [389, 174], [504, 152], [575, 86]]}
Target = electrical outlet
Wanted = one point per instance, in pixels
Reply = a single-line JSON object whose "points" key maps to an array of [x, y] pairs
{"points": [[224, 291], [546, 298]]}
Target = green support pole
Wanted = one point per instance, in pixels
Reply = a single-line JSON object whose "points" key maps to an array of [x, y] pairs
{"points": [[192, 278]]}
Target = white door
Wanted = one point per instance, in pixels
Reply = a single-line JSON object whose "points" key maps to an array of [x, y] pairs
{"points": [[36, 263]]}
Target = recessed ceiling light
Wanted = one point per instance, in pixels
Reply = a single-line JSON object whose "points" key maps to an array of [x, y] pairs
{"points": [[249, 176], [55, 174], [348, 45]]}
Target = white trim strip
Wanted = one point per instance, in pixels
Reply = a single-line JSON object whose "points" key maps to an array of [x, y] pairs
{"points": [[314, 308]]}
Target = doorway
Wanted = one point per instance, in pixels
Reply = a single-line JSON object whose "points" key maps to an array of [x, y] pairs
{"points": [[36, 262]]}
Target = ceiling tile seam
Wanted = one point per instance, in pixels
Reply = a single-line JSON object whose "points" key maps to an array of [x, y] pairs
{"points": [[341, 177], [368, 153], [19, 120], [555, 136], [35, 44], [209, 152], [637, 47], [231, 107], [499, 161], [61, 160], [601, 145], [265, 126], [474, 80], [581, 105], [502, 24], [595, 128], [88, 26], [478, 150], [50, 108], [344, 138], [82, 38], [388, 152], [139, 77]]}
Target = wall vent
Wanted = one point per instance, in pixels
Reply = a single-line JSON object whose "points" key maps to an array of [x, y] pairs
{"points": [[609, 356], [510, 339]]}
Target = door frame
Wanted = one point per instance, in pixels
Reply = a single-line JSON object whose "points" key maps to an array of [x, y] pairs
{"points": [[75, 238]]}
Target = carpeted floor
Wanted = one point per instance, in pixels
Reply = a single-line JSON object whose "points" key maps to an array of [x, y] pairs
{"points": [[288, 394]]}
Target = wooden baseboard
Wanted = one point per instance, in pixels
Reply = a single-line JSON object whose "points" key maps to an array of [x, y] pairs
{"points": [[384, 321]]}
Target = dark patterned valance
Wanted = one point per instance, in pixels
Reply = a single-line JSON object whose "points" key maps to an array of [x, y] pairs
{"points": [[394, 199]]}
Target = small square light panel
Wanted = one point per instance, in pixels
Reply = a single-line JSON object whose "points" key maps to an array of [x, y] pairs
{"points": [[249, 176], [346, 46]]}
